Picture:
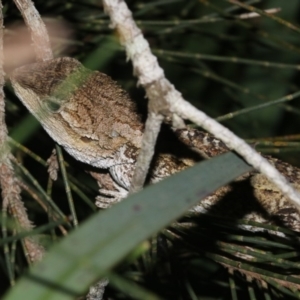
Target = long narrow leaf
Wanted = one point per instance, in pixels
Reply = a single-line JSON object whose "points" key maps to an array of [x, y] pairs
{"points": [[102, 241]]}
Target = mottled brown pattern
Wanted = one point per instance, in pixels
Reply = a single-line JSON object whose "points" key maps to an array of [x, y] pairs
{"points": [[95, 107], [53, 165], [273, 203], [90, 115], [204, 142], [271, 198]]}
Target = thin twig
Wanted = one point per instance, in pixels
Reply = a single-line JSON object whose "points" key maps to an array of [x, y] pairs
{"points": [[152, 76], [266, 14], [152, 129], [255, 14], [67, 186]]}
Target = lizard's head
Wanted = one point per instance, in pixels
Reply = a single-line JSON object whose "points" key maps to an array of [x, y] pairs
{"points": [[45, 86], [84, 111]]}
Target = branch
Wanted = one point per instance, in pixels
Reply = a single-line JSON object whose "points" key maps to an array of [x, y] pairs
{"points": [[10, 187], [152, 78], [9, 184], [152, 128]]}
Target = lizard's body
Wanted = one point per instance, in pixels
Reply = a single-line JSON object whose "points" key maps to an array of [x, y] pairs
{"points": [[96, 122], [91, 116]]}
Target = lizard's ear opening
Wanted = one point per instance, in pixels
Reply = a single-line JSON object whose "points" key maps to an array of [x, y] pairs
{"points": [[53, 104]]}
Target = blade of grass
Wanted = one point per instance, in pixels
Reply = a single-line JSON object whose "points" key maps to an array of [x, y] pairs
{"points": [[102, 241]]}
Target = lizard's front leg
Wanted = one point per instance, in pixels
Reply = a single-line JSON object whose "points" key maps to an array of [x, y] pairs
{"points": [[121, 173], [114, 186]]}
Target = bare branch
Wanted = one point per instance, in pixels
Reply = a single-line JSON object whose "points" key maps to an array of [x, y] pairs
{"points": [[152, 129], [152, 76]]}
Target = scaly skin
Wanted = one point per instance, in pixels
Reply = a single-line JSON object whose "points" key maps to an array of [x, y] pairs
{"points": [[95, 120]]}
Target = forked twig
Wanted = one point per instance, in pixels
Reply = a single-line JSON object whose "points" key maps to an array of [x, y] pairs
{"points": [[168, 99]]}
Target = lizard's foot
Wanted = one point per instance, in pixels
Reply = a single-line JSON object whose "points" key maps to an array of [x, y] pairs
{"points": [[109, 197]]}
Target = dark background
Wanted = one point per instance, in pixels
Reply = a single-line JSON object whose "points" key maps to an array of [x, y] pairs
{"points": [[189, 28]]}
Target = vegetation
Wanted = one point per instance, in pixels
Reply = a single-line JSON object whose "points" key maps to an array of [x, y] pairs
{"points": [[240, 69]]}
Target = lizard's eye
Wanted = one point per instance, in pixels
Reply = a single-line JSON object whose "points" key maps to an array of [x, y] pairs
{"points": [[53, 104]]}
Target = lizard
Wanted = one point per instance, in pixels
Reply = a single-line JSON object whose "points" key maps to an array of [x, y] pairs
{"points": [[88, 114], [95, 121]]}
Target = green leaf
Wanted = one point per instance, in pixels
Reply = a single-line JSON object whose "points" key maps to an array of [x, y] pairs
{"points": [[100, 243]]}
